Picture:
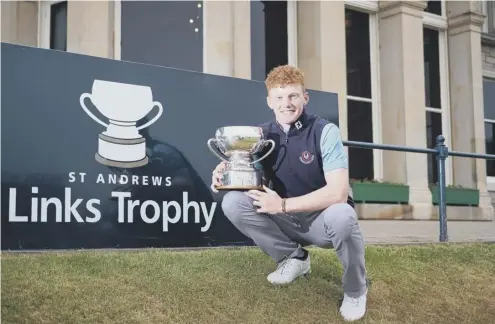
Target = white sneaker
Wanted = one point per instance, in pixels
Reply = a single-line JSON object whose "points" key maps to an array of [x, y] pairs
{"points": [[289, 270], [353, 309]]}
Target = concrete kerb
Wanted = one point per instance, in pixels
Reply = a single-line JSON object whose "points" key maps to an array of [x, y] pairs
{"points": [[193, 249]]}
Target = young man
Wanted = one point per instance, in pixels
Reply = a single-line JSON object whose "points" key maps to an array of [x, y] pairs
{"points": [[309, 203]]}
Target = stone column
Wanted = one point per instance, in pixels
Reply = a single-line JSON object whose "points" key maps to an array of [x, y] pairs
{"points": [[321, 50], [403, 111], [226, 40], [20, 22], [27, 24], [90, 28], [242, 39], [218, 37], [466, 97], [9, 21]]}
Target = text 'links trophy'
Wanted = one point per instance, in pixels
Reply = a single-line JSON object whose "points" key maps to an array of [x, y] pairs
{"points": [[236, 145]]}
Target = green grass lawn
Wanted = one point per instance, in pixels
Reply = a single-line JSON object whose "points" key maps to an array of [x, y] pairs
{"points": [[421, 284]]}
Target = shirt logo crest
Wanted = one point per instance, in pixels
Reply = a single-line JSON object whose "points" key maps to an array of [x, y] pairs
{"points": [[306, 157]]}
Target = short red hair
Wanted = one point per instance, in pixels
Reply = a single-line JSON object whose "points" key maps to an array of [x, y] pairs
{"points": [[284, 75]]}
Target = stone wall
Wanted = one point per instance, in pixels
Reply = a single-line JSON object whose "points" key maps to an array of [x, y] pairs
{"points": [[488, 57]]}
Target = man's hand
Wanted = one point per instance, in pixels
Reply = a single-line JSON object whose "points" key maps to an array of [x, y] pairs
{"points": [[269, 201], [216, 177]]}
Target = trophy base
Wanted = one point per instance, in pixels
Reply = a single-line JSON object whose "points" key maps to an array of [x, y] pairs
{"points": [[121, 153], [251, 179], [119, 164]]}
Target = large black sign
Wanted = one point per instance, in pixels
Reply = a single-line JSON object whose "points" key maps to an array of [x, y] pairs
{"points": [[99, 153]]}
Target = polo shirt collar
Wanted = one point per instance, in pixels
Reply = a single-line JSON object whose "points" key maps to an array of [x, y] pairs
{"points": [[299, 124]]}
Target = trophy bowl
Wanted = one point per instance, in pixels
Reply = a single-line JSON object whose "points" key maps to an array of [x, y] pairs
{"points": [[239, 139], [123, 104], [236, 145]]}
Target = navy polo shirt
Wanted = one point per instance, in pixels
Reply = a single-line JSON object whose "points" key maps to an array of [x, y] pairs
{"points": [[303, 154]]}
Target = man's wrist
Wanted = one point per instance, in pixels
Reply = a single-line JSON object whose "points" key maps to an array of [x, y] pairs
{"points": [[283, 205], [289, 205]]}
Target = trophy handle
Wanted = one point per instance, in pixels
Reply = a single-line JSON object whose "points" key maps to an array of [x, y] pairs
{"points": [[160, 111], [216, 152], [268, 153], [90, 114]]}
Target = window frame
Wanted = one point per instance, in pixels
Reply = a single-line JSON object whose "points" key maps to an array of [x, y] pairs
{"points": [[371, 8], [439, 24], [44, 22], [117, 29], [489, 17], [436, 21], [490, 181], [291, 31]]}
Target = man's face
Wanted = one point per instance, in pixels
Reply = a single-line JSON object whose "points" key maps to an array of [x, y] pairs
{"points": [[287, 103]]}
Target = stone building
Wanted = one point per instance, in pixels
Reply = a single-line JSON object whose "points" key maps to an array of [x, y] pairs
{"points": [[405, 71]]}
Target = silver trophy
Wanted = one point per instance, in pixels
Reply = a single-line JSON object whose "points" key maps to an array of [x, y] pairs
{"points": [[237, 145]]}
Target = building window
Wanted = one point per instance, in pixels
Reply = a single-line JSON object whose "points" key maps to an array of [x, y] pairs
{"points": [[273, 36], [434, 7], [358, 54], [432, 68], [433, 103], [488, 9], [58, 26], [53, 25], [489, 107], [436, 83], [164, 33], [435, 57], [361, 91], [360, 128]]}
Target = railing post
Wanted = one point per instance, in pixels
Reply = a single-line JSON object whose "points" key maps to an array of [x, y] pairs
{"points": [[441, 156]]}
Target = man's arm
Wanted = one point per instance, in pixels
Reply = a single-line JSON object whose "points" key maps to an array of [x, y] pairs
{"points": [[335, 167]]}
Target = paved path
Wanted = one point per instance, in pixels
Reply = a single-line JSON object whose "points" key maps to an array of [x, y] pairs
{"points": [[391, 231]]}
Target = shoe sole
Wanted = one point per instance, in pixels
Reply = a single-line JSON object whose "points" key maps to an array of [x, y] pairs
{"points": [[305, 275], [352, 320]]}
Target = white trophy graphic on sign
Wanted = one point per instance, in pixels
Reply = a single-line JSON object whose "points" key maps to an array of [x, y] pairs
{"points": [[123, 104]]}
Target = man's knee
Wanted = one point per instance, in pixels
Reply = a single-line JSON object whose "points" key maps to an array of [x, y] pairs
{"points": [[340, 219], [235, 204]]}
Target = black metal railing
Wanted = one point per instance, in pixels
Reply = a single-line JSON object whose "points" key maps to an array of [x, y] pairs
{"points": [[441, 152]]}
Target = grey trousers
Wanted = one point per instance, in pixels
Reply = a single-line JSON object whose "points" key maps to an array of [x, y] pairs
{"points": [[283, 236]]}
